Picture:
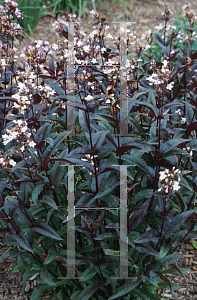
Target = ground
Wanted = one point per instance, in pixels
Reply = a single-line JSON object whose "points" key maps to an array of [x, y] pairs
{"points": [[144, 13]]}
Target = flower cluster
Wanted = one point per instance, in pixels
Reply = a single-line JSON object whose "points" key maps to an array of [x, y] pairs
{"points": [[161, 76], [20, 133], [6, 162], [7, 14], [168, 181], [180, 114], [22, 97], [189, 150]]}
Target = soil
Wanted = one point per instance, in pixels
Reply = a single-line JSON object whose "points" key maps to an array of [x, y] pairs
{"points": [[144, 13]]}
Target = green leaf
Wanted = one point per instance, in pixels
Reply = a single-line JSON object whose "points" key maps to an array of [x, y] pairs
{"points": [[46, 230], [140, 162], [26, 274], [36, 192], [56, 87], [88, 274], [168, 260], [50, 257], [45, 277], [89, 291], [126, 288], [75, 295], [22, 241], [194, 244], [10, 253], [172, 143], [151, 98], [49, 200], [147, 236], [106, 235], [147, 249], [181, 272], [39, 290], [140, 295], [170, 228]]}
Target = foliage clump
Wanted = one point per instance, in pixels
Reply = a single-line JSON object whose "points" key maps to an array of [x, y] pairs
{"points": [[44, 141]]}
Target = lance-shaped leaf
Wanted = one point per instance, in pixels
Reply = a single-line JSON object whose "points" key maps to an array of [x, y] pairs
{"points": [[142, 296], [89, 291], [22, 241], [138, 215], [127, 288], [50, 257], [133, 101], [140, 162], [147, 249], [76, 161], [79, 228], [170, 228], [159, 41], [45, 277], [38, 291], [88, 274], [49, 200], [154, 109], [106, 235], [165, 279], [46, 230], [101, 116], [170, 144], [10, 253], [98, 221], [36, 192], [109, 166], [56, 87], [98, 139], [181, 272], [168, 260], [132, 145], [147, 236], [102, 178], [84, 199], [78, 152]]}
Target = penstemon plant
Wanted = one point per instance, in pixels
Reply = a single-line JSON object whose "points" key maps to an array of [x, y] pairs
{"points": [[47, 161]]}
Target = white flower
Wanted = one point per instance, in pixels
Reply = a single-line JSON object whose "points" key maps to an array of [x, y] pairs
{"points": [[55, 46], [92, 11], [159, 27], [178, 111], [94, 61], [93, 33], [122, 29], [163, 174], [154, 79], [80, 43], [109, 36], [170, 86], [183, 120], [176, 186], [24, 129], [12, 162], [103, 49], [89, 97], [22, 148], [86, 48], [165, 63], [32, 144]]}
